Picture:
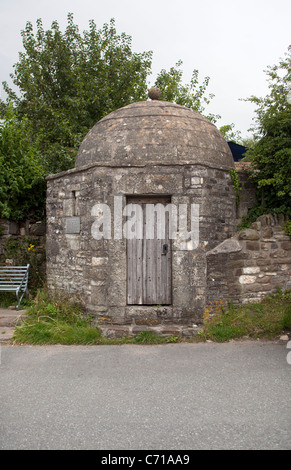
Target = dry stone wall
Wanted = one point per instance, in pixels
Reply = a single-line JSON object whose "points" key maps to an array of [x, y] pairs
{"points": [[254, 263], [23, 243], [24, 232]]}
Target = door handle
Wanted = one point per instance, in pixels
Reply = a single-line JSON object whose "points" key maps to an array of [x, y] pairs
{"points": [[165, 249]]}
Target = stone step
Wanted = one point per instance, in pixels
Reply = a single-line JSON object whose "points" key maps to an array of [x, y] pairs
{"points": [[9, 318], [6, 333], [166, 330]]}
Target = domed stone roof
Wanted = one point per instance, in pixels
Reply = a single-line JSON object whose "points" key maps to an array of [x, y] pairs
{"points": [[154, 133]]}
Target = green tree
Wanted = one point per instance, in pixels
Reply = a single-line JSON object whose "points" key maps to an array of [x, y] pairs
{"points": [[22, 184], [193, 95], [68, 81], [229, 133], [271, 152]]}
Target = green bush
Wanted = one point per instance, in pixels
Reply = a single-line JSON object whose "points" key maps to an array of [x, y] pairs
{"points": [[287, 228], [286, 321]]}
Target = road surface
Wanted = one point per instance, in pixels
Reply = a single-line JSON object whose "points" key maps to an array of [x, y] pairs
{"points": [[177, 396]]}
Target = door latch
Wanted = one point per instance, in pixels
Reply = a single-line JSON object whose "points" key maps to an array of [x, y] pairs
{"points": [[165, 249]]}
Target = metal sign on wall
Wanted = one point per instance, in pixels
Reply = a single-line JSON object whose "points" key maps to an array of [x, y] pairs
{"points": [[73, 225]]}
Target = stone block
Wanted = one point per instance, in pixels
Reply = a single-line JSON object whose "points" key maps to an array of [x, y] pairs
{"points": [[228, 246], [13, 228], [259, 289], [247, 279], [284, 261], [267, 232], [256, 226], [251, 270], [263, 262], [115, 331], [277, 253], [73, 242], [69, 206], [117, 315], [264, 279], [98, 294], [265, 246], [286, 245], [95, 273], [249, 234], [99, 261], [252, 245], [117, 293]]}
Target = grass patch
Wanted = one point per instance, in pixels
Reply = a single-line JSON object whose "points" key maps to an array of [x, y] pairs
{"points": [[55, 319], [149, 337], [58, 320], [265, 320], [59, 332]]}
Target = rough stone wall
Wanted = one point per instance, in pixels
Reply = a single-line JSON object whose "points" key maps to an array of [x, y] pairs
{"points": [[20, 231], [254, 263], [23, 243], [24, 228], [95, 270], [248, 198]]}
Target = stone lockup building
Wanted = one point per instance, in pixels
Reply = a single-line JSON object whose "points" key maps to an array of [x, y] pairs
{"points": [[132, 228]]}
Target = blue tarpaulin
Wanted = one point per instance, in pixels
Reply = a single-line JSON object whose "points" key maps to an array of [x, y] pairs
{"points": [[237, 150]]}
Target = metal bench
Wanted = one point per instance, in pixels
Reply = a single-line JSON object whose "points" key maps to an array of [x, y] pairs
{"points": [[14, 279]]}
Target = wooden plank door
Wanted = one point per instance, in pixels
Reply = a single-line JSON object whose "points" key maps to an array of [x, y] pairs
{"points": [[149, 260]]}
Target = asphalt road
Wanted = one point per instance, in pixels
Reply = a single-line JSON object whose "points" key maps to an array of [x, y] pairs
{"points": [[175, 396]]}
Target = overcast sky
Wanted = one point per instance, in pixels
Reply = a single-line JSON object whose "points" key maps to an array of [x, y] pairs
{"points": [[231, 41]]}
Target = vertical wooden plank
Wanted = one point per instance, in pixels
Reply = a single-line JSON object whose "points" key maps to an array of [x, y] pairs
{"points": [[168, 287], [129, 272], [147, 264], [134, 271], [139, 263], [159, 262], [159, 240], [154, 264], [163, 286], [149, 270], [144, 262]]}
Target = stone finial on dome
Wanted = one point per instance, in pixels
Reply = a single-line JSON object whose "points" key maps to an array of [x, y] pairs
{"points": [[154, 93]]}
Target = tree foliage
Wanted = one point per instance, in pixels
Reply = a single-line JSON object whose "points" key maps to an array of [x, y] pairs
{"points": [[271, 153], [193, 95], [230, 134], [22, 185], [68, 81]]}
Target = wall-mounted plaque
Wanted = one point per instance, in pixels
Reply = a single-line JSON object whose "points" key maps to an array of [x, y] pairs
{"points": [[73, 225]]}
